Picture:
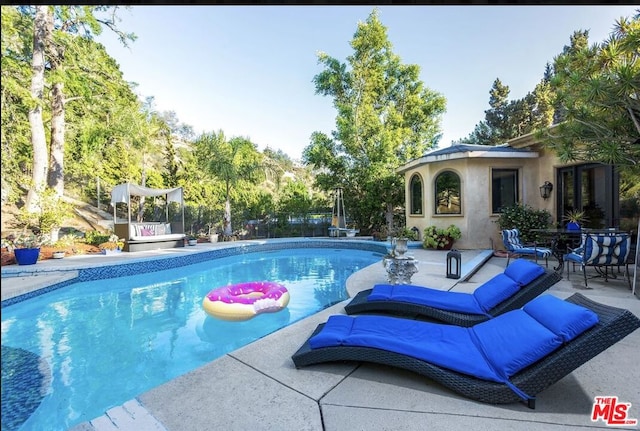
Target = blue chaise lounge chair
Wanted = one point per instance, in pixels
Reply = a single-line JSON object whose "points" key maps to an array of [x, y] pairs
{"points": [[520, 282], [510, 358]]}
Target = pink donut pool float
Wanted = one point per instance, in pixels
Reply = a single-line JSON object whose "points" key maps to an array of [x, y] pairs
{"points": [[243, 301]]}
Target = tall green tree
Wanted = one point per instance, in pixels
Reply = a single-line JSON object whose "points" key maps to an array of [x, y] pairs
{"points": [[234, 162], [497, 117], [385, 117], [16, 101], [598, 89], [56, 30], [41, 33], [69, 29], [101, 110], [295, 201], [508, 119]]}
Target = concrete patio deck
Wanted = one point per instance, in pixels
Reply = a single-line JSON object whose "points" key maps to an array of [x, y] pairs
{"points": [[257, 387]]}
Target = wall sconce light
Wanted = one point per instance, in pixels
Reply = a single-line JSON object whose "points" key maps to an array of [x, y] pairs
{"points": [[454, 264], [545, 190]]}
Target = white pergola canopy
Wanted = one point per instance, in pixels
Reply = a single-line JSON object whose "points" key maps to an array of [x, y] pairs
{"points": [[122, 193]]}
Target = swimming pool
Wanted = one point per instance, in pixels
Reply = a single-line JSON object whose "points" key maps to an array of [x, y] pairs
{"points": [[103, 342]]}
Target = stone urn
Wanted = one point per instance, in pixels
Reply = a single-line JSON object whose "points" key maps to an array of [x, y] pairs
{"points": [[401, 246]]}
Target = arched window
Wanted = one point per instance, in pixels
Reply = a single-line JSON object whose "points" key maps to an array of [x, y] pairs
{"points": [[415, 190], [447, 198]]}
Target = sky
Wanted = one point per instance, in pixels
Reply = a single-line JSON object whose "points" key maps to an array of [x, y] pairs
{"points": [[248, 70]]}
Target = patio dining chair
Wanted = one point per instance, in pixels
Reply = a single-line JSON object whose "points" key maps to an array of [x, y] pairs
{"points": [[604, 252], [511, 239]]}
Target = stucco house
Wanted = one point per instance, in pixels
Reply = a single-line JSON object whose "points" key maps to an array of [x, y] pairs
{"points": [[467, 185]]}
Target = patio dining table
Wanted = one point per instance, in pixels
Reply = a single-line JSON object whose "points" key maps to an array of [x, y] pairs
{"points": [[560, 239]]}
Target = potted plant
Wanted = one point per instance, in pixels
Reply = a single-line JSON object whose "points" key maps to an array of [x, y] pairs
{"points": [[351, 231], [380, 234], [113, 245], [62, 246], [58, 254], [441, 238], [399, 241], [25, 247], [212, 232], [574, 218], [407, 234], [192, 239]]}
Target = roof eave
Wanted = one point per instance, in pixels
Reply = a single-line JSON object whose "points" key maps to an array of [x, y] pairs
{"points": [[466, 155]]}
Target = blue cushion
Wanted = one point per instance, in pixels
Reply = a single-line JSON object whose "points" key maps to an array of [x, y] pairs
{"points": [[514, 340], [607, 249], [448, 346], [451, 301], [540, 252], [562, 318], [493, 350], [495, 291], [573, 257], [523, 271]]}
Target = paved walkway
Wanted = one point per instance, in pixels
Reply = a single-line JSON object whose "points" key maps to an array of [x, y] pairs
{"points": [[257, 387]]}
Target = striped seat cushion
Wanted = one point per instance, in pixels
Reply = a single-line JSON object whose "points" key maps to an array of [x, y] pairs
{"points": [[511, 240], [607, 249]]}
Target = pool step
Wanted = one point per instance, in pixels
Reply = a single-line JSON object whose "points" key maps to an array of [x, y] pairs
{"points": [[129, 416], [471, 267]]}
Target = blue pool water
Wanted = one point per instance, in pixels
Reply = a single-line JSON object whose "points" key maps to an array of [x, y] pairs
{"points": [[100, 343]]}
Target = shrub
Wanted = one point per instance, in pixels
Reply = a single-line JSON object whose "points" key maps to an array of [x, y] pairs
{"points": [[404, 232], [524, 217], [435, 237], [51, 212], [66, 242], [94, 237]]}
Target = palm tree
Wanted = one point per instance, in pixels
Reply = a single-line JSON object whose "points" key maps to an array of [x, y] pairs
{"points": [[233, 162]]}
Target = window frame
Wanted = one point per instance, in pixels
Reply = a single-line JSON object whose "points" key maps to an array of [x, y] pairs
{"points": [[516, 189], [435, 193], [412, 184]]}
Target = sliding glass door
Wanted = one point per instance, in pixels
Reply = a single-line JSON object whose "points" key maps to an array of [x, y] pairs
{"points": [[592, 188]]}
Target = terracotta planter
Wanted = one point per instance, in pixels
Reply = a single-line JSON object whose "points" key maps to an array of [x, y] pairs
{"points": [[444, 247], [448, 246], [26, 256]]}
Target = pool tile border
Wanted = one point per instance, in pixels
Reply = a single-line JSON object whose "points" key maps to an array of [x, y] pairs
{"points": [[161, 263]]}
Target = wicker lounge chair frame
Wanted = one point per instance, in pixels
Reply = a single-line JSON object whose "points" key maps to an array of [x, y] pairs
{"points": [[614, 324], [359, 304]]}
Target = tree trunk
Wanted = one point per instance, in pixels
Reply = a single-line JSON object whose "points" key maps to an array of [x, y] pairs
{"points": [[389, 218], [56, 157], [227, 219], [38, 139]]}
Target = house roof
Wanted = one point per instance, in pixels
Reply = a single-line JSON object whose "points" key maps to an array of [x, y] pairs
{"points": [[467, 151]]}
